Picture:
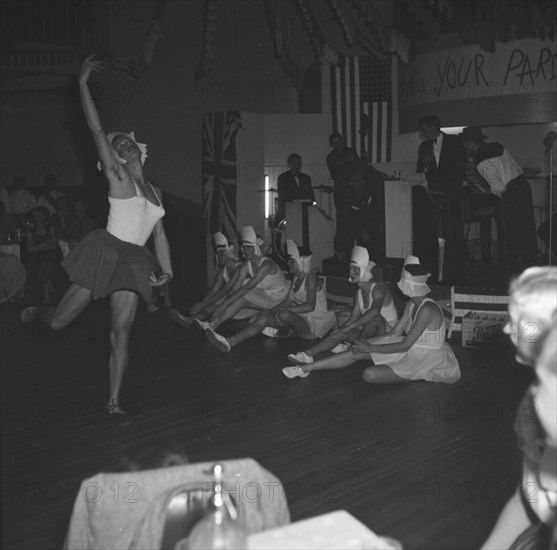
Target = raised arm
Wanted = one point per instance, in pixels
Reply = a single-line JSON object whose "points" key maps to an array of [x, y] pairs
{"points": [[111, 167]]}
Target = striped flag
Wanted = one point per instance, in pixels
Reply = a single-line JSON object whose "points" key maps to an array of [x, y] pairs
{"points": [[362, 106], [220, 171]]}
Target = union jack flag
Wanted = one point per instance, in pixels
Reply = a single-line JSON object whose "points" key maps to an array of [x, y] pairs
{"points": [[220, 171]]}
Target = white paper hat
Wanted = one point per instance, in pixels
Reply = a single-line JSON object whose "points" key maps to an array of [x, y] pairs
{"points": [[142, 147], [360, 258]]}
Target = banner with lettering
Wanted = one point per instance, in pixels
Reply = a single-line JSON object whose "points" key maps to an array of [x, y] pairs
{"points": [[516, 84]]}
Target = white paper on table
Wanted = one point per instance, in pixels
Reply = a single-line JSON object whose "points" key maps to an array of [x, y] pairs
{"points": [[337, 530]]}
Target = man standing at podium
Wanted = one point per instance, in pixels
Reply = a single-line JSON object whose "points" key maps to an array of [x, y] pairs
{"points": [[440, 157], [293, 185]]}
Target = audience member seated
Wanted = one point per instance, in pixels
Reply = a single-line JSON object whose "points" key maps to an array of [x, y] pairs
{"points": [[528, 517], [63, 220], [5, 198], [12, 277], [266, 287], [415, 349], [373, 314], [83, 223], [51, 195], [8, 228], [225, 278], [303, 312], [43, 255], [21, 201]]}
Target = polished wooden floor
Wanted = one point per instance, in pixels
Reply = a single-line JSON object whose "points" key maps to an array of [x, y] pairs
{"points": [[428, 464]]}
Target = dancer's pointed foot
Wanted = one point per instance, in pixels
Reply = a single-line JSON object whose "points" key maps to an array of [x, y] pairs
{"points": [[177, 317]]}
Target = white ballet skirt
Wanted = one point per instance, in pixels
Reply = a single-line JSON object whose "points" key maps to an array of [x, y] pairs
{"points": [[430, 358]]}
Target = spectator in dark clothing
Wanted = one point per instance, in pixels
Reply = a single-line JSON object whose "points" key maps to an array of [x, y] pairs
{"points": [[342, 162], [507, 181], [440, 157]]}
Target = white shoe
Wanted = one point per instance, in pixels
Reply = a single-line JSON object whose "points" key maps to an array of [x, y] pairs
{"points": [[271, 332], [220, 342], [293, 372], [339, 348], [300, 357], [28, 314]]}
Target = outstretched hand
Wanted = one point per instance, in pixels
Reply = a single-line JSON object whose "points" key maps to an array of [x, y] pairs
{"points": [[159, 281], [361, 346], [88, 66]]}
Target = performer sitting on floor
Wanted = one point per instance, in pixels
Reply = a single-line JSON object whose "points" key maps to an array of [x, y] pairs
{"points": [[265, 288], [415, 349], [303, 311], [373, 314], [225, 277]]}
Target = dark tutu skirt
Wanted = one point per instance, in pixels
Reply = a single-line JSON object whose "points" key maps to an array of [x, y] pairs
{"points": [[103, 264]]}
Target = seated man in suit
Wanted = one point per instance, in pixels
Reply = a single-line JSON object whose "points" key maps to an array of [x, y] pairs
{"points": [[293, 185]]}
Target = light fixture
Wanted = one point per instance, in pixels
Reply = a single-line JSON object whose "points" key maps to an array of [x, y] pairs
{"points": [[453, 130], [267, 198]]}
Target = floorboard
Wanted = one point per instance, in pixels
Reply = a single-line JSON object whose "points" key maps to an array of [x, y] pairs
{"points": [[428, 464]]}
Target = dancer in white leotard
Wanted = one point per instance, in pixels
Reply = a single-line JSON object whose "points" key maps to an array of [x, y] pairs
{"points": [[303, 311], [225, 277], [373, 314], [415, 349], [114, 262], [265, 288]]}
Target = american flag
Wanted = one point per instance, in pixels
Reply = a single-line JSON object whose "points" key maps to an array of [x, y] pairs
{"points": [[361, 105], [220, 171]]}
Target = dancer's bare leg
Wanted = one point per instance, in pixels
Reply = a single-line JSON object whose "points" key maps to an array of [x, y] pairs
{"points": [[338, 361], [375, 327], [262, 320], [230, 311], [74, 301], [123, 304], [382, 374]]}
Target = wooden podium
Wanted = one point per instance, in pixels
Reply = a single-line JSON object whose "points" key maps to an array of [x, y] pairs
{"points": [[310, 227]]}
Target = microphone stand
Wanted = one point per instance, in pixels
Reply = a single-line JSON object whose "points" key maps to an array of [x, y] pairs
{"points": [[548, 142]]}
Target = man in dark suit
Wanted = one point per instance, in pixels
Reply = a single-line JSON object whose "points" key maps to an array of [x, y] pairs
{"points": [[441, 157], [293, 185], [342, 162]]}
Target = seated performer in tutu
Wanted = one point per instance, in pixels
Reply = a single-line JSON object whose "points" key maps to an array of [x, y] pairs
{"points": [[114, 262], [303, 311], [373, 314], [415, 349], [225, 277], [265, 288]]}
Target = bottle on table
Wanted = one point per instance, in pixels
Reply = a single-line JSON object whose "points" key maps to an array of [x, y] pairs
{"points": [[219, 528]]}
